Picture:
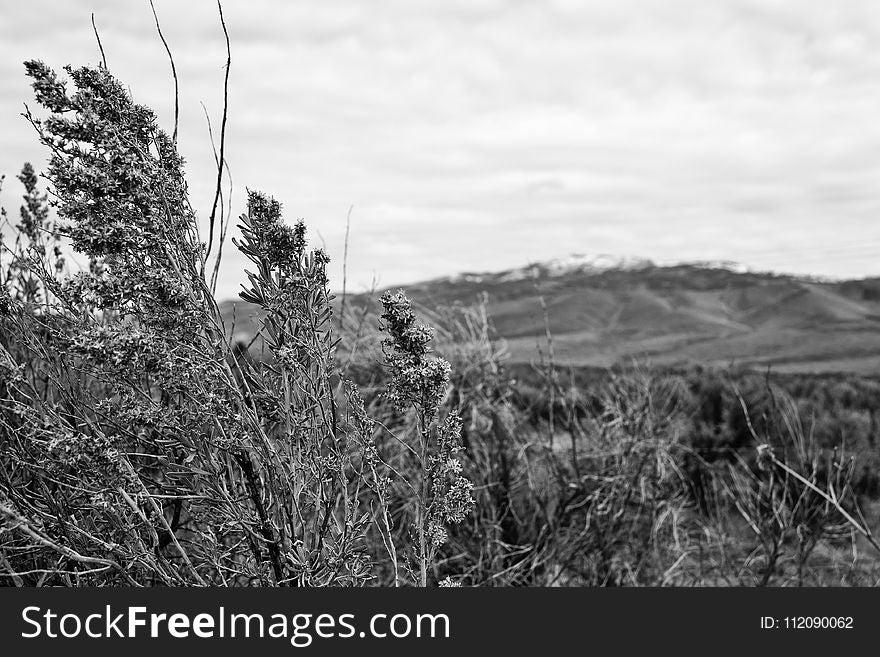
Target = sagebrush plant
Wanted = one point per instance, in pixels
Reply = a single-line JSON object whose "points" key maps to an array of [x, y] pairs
{"points": [[137, 446], [794, 501], [419, 381]]}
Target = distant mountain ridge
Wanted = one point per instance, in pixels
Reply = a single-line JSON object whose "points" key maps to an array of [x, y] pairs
{"points": [[605, 310], [574, 263], [584, 264]]}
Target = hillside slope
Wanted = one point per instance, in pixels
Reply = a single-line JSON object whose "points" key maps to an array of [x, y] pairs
{"points": [[613, 312]]}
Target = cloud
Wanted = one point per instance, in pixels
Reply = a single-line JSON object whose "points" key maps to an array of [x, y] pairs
{"points": [[483, 134]]}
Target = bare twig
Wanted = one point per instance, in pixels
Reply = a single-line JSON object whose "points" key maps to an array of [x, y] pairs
{"points": [[345, 269], [20, 524], [100, 47], [173, 72], [222, 133], [225, 211]]}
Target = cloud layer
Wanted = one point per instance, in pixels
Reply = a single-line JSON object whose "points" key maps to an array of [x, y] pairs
{"points": [[481, 134]]}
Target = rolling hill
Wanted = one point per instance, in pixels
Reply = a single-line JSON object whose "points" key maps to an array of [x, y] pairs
{"points": [[605, 311]]}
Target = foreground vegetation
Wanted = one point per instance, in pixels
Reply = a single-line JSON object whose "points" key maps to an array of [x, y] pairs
{"points": [[651, 477], [141, 445]]}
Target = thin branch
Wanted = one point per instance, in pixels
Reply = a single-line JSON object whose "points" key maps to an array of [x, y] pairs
{"points": [[550, 368], [765, 450], [831, 498], [100, 47], [345, 268], [225, 210], [222, 133], [18, 523], [173, 72]]}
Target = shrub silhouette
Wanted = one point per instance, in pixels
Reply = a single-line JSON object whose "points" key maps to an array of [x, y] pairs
{"points": [[139, 447]]}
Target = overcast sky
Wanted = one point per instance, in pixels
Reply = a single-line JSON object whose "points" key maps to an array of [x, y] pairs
{"points": [[474, 135]]}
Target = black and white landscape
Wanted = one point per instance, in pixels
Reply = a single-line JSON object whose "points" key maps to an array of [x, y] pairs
{"points": [[477, 293]]}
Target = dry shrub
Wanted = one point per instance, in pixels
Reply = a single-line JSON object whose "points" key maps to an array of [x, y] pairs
{"points": [[136, 446]]}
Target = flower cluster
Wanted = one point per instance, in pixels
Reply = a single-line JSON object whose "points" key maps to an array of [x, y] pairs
{"points": [[268, 241], [283, 243], [119, 190], [117, 176], [451, 492], [361, 421], [420, 380], [121, 349], [83, 451], [35, 211], [416, 378], [5, 302], [448, 582], [125, 292], [406, 335]]}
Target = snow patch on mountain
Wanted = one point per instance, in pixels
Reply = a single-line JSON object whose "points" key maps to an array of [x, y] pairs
{"points": [[574, 263], [581, 263]]}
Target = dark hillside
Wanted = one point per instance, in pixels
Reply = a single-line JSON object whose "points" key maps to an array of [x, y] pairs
{"points": [[675, 315]]}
